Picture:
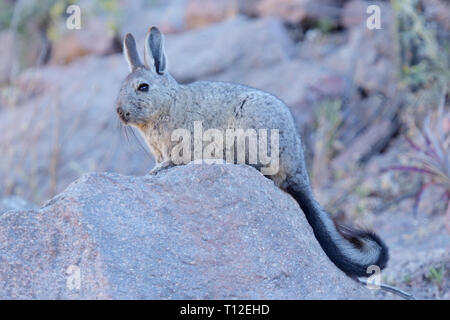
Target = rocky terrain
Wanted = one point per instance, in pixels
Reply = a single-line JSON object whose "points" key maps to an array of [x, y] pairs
{"points": [[361, 99], [191, 232]]}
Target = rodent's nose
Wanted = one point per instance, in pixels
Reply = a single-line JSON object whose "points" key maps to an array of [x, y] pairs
{"points": [[125, 116]]}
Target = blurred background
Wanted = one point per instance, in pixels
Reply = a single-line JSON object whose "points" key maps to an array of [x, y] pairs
{"points": [[372, 104]]}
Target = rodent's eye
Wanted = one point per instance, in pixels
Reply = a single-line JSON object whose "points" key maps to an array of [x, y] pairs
{"points": [[143, 87]]}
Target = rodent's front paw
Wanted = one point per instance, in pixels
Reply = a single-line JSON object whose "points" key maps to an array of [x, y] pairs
{"points": [[155, 171], [160, 167]]}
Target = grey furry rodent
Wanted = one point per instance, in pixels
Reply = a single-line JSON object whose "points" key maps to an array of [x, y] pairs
{"points": [[151, 100]]}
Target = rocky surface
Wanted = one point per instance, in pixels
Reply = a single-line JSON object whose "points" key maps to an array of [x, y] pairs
{"points": [[227, 46], [419, 251], [294, 11], [201, 13], [191, 232], [94, 38]]}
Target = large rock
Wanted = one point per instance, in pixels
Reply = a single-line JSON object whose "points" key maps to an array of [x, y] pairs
{"points": [[293, 11], [139, 15], [200, 13], [238, 43], [191, 232], [369, 56], [94, 38]]}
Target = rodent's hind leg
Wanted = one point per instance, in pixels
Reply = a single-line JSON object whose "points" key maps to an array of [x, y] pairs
{"points": [[160, 167]]}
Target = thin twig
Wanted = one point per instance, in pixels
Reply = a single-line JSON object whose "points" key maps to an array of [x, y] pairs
{"points": [[392, 290]]}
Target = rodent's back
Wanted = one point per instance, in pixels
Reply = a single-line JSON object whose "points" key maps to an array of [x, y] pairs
{"points": [[223, 105], [219, 103]]}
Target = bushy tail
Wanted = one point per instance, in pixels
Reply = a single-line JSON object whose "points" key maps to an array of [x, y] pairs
{"points": [[352, 251]]}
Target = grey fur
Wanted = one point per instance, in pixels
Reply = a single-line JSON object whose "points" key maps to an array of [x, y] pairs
{"points": [[130, 53], [169, 105], [154, 50]]}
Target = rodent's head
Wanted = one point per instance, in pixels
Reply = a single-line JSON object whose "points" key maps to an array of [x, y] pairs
{"points": [[149, 89]]}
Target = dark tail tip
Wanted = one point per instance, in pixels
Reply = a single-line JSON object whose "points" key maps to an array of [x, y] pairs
{"points": [[357, 238]]}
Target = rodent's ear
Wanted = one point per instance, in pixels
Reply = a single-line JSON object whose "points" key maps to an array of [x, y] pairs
{"points": [[130, 52], [154, 51]]}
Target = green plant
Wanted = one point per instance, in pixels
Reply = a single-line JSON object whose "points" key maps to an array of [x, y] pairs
{"points": [[436, 275], [329, 118], [422, 61], [326, 25], [407, 278], [6, 11], [431, 158]]}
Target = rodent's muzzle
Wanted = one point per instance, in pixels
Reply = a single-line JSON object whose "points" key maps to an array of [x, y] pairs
{"points": [[124, 116]]}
